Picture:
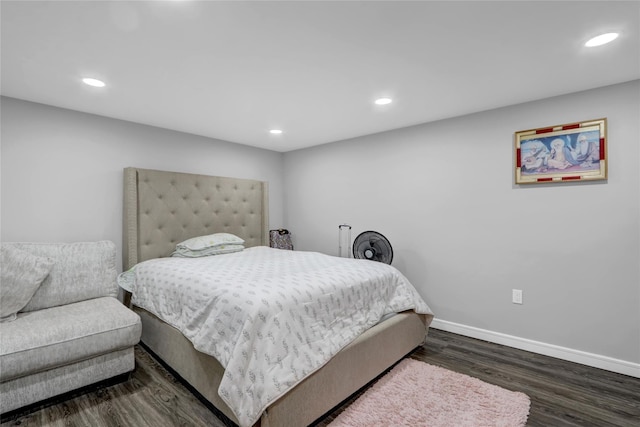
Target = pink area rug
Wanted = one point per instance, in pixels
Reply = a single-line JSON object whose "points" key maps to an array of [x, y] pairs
{"points": [[415, 393]]}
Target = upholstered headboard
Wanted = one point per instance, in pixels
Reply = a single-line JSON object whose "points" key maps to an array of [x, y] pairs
{"points": [[162, 209]]}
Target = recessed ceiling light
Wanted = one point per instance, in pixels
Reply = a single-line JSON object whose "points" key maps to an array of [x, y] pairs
{"points": [[601, 39], [383, 101], [93, 82], [275, 131]]}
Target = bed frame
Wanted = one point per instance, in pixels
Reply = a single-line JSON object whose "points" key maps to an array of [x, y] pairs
{"points": [[162, 209]]}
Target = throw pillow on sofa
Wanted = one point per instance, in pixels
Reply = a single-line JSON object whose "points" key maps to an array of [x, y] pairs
{"points": [[21, 275]]}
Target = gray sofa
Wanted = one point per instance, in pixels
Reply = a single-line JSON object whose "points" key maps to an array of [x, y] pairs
{"points": [[72, 332]]}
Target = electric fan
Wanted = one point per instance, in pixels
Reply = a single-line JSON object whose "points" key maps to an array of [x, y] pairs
{"points": [[373, 246]]}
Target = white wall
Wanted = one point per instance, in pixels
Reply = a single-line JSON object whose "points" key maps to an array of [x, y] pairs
{"points": [[465, 235], [61, 177], [443, 193]]}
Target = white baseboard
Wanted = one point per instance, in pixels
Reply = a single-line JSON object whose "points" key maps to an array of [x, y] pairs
{"points": [[577, 356]]}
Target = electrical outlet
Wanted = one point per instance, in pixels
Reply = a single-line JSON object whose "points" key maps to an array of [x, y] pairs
{"points": [[516, 296]]}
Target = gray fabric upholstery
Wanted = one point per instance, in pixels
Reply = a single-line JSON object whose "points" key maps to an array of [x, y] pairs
{"points": [[81, 271], [48, 338], [73, 332], [163, 209], [23, 391], [21, 276]]}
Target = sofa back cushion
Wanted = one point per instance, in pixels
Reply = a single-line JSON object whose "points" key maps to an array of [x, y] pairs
{"points": [[80, 271]]}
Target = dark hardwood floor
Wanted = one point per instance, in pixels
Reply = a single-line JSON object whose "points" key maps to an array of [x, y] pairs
{"points": [[562, 393]]}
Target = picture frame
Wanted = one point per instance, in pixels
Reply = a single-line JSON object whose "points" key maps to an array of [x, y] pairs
{"points": [[563, 153]]}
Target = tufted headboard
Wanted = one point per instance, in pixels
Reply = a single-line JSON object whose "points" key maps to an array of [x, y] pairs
{"points": [[162, 209]]}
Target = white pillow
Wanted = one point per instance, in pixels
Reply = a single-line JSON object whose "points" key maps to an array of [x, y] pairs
{"points": [[210, 241], [21, 276], [216, 250]]}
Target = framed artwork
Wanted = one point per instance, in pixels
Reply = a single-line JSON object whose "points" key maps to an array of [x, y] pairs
{"points": [[569, 152]]}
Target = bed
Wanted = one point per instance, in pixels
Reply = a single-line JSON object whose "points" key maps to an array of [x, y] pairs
{"points": [[162, 209]]}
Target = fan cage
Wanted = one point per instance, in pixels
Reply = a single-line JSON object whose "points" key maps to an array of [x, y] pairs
{"points": [[373, 246]]}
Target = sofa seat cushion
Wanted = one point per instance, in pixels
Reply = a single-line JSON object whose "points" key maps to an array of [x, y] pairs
{"points": [[57, 336]]}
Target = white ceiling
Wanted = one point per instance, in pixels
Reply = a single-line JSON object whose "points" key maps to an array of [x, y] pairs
{"points": [[234, 70]]}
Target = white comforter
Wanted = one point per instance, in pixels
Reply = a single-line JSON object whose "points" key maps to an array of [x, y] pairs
{"points": [[270, 317]]}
